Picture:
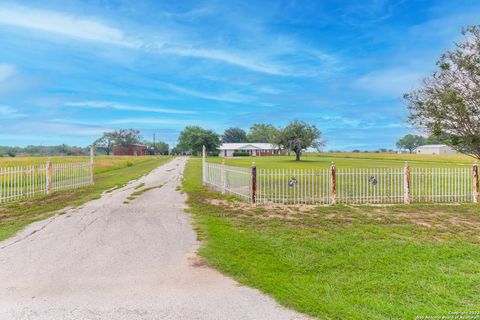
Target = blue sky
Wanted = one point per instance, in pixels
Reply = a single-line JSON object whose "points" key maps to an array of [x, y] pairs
{"points": [[70, 70]]}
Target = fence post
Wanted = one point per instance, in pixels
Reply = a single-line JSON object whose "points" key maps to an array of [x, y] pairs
{"points": [[222, 177], [204, 151], [406, 184], [92, 152], [254, 183], [48, 177], [475, 182], [333, 178]]}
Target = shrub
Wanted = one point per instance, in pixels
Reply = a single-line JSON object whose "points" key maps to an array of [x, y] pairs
{"points": [[241, 154], [129, 164]]}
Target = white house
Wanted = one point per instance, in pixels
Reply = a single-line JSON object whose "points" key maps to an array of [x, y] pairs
{"points": [[254, 149], [435, 149]]}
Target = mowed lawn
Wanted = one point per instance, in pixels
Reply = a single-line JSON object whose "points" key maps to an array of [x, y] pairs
{"points": [[344, 262], [110, 172], [349, 160]]}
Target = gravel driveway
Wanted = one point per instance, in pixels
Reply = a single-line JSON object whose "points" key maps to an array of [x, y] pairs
{"points": [[111, 260]]}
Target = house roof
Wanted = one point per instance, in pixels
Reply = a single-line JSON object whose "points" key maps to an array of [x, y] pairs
{"points": [[247, 146], [433, 146]]}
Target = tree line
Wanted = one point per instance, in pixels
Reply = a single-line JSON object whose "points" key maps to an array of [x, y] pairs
{"points": [[296, 137], [410, 142], [62, 150]]}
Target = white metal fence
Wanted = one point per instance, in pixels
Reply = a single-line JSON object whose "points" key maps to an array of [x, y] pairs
{"points": [[23, 182], [345, 185], [227, 179]]}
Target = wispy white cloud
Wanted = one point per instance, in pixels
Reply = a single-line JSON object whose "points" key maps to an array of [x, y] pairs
{"points": [[389, 82], [243, 60], [62, 24], [120, 106], [7, 112], [6, 71], [153, 121], [267, 60], [227, 97]]}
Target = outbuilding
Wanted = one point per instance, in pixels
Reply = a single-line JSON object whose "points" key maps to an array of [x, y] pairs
{"points": [[130, 150], [253, 149], [435, 149]]}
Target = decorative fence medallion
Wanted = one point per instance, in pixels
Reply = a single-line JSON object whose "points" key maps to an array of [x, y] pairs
{"points": [[373, 181], [292, 182]]}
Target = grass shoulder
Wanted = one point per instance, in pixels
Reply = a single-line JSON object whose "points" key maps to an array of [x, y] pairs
{"points": [[349, 262]]}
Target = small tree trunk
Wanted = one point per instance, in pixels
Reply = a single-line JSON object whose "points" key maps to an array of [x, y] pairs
{"points": [[297, 156]]}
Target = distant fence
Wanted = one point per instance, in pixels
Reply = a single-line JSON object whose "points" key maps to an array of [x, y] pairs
{"points": [[23, 182], [344, 185]]}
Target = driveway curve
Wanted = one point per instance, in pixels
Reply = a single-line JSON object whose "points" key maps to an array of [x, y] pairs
{"points": [[110, 259]]}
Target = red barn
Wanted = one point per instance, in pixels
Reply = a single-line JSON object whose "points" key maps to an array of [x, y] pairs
{"points": [[131, 150]]}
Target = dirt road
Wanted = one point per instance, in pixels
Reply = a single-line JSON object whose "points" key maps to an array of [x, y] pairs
{"points": [[116, 260]]}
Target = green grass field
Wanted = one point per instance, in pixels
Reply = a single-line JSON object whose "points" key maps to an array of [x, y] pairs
{"points": [[344, 262], [110, 172], [102, 163], [350, 160]]}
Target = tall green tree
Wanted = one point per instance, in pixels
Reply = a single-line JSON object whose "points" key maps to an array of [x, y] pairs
{"points": [[447, 104], [233, 135], [105, 143], [192, 138], [410, 142], [297, 136], [260, 132]]}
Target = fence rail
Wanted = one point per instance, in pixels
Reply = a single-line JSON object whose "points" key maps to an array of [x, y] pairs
{"points": [[345, 185], [22, 182]]}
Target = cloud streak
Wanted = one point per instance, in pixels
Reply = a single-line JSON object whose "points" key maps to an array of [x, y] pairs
{"points": [[120, 106], [62, 24], [226, 97], [7, 112], [6, 71], [94, 30]]}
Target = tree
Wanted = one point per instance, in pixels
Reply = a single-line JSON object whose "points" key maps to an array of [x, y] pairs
{"points": [[11, 152], [159, 147], [410, 142], [430, 140], [105, 143], [298, 136], [192, 138], [447, 104], [232, 135], [126, 137], [262, 133]]}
